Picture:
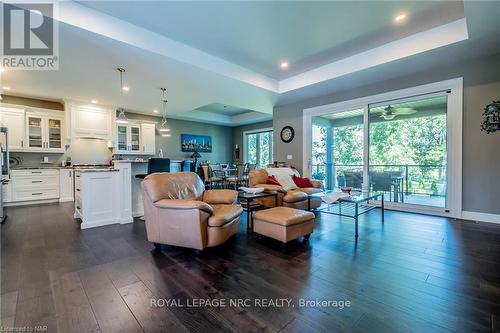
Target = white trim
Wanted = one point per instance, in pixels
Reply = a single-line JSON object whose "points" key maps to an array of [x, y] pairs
{"points": [[80, 16], [31, 202], [454, 134], [446, 34], [92, 20], [481, 217]]}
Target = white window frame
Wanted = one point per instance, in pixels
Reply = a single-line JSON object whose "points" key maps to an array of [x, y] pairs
{"points": [[245, 144], [454, 138]]}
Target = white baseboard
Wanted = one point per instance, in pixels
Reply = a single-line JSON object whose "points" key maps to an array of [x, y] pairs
{"points": [[481, 217], [26, 203], [127, 220], [138, 214], [101, 223]]}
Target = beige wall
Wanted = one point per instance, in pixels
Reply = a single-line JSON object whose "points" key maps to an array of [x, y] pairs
{"points": [[481, 151]]}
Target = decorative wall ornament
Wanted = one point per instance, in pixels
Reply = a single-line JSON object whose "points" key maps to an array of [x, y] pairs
{"points": [[491, 118]]}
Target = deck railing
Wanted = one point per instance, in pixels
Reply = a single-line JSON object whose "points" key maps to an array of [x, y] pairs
{"points": [[419, 179]]}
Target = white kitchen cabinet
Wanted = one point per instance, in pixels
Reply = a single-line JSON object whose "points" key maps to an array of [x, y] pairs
{"points": [[7, 191], [128, 139], [148, 132], [97, 198], [90, 122], [125, 191], [45, 131], [66, 185], [13, 119], [35, 184]]}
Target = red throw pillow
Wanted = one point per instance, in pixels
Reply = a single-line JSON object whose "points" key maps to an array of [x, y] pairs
{"points": [[273, 181], [302, 182]]}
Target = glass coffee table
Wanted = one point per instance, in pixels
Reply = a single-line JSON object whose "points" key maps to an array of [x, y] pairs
{"points": [[352, 206], [247, 201]]}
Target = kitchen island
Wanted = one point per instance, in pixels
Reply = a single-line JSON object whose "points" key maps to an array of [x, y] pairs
{"points": [[97, 202]]}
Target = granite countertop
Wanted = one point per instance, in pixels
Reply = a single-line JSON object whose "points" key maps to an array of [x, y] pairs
{"points": [[97, 170], [38, 167], [144, 161]]}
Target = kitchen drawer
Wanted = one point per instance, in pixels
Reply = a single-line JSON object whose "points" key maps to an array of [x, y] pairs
{"points": [[36, 181], [34, 194], [78, 204], [35, 172], [78, 194]]}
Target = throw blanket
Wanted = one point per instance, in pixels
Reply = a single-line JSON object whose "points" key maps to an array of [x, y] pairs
{"points": [[284, 177], [332, 197]]}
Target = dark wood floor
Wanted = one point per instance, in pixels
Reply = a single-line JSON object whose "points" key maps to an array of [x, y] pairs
{"points": [[414, 274]]}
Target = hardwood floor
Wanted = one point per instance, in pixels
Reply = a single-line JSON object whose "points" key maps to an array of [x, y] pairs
{"points": [[415, 273]]}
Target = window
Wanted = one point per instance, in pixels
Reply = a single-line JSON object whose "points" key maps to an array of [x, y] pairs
{"points": [[405, 143], [259, 147]]}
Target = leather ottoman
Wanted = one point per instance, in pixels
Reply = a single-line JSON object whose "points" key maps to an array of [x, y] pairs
{"points": [[283, 223]]}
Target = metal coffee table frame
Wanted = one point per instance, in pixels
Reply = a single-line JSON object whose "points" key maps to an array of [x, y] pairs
{"points": [[355, 205], [249, 197]]}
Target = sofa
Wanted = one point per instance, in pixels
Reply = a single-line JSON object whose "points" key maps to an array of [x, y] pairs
{"points": [[287, 197], [179, 211]]}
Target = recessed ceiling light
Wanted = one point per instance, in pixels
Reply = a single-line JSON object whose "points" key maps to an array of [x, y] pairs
{"points": [[94, 101], [155, 111], [284, 65], [400, 17], [6, 88], [126, 88]]}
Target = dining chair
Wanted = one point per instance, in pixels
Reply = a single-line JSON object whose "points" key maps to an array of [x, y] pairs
{"points": [[237, 177], [210, 178]]}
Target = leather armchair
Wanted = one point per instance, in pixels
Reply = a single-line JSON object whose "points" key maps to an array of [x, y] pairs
{"points": [[295, 198], [178, 211]]}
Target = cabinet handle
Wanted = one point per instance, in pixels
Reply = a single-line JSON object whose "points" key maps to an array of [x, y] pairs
{"points": [[39, 193], [36, 172], [78, 207], [22, 143], [78, 190], [70, 173], [36, 181]]}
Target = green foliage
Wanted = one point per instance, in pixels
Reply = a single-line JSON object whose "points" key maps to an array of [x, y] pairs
{"points": [[419, 141]]}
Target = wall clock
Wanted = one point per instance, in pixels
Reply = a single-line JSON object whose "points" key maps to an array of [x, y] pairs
{"points": [[287, 134]]}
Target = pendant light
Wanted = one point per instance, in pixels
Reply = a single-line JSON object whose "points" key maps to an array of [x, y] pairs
{"points": [[164, 130], [122, 118]]}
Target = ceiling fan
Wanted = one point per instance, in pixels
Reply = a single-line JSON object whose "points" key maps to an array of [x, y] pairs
{"points": [[390, 112]]}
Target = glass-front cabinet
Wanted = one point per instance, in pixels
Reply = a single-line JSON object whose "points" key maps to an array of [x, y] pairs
{"points": [[122, 138], [128, 139], [44, 132], [54, 133], [135, 138], [35, 132]]}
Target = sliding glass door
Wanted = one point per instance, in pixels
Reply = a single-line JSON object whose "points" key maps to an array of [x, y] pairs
{"points": [[398, 143], [337, 149], [408, 150]]}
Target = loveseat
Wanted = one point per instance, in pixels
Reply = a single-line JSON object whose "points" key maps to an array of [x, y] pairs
{"points": [[288, 195]]}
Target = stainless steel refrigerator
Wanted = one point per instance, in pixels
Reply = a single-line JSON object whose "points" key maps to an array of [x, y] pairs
{"points": [[4, 162]]}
